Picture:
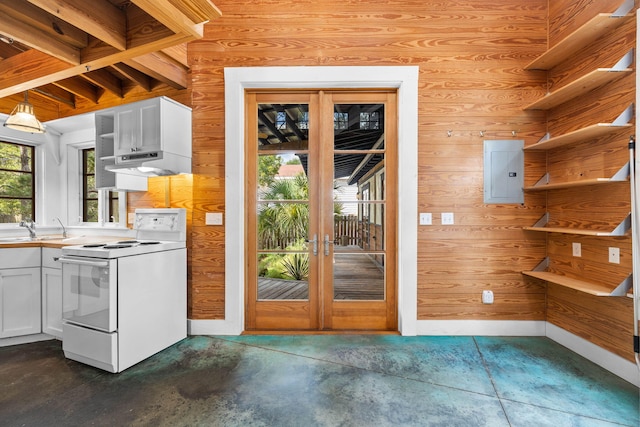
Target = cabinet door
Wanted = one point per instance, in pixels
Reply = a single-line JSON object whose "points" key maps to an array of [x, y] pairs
{"points": [[126, 130], [20, 302], [52, 301], [149, 128]]}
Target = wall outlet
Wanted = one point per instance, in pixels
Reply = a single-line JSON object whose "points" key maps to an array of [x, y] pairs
{"points": [[487, 297], [614, 255], [213, 218], [447, 218], [425, 218], [131, 216], [577, 249]]}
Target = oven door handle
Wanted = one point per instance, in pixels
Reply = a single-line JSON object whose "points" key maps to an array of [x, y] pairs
{"points": [[82, 261]]}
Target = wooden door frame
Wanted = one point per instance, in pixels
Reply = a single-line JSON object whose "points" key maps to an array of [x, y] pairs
{"points": [[405, 80]]}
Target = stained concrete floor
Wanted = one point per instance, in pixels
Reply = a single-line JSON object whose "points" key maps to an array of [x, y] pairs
{"points": [[320, 380]]}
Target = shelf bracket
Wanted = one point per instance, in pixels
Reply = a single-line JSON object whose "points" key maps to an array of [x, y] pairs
{"points": [[544, 180], [546, 137], [624, 62], [623, 9], [624, 117], [542, 265], [622, 289], [622, 174], [623, 227], [543, 221]]}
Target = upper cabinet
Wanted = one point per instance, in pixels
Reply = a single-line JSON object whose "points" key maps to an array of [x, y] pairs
{"points": [[138, 128], [151, 137]]}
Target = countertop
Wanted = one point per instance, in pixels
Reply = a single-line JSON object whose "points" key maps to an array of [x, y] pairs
{"points": [[54, 241]]}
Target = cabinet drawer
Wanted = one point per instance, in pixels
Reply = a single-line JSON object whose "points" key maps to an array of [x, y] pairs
{"points": [[48, 255], [19, 257]]}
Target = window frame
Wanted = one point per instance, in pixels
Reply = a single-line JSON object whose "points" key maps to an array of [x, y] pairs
{"points": [[33, 174]]}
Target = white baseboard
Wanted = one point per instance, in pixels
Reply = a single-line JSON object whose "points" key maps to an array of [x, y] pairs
{"points": [[611, 362], [212, 327], [25, 339], [526, 328]]}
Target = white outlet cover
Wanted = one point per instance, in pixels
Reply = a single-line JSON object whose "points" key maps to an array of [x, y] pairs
{"points": [[487, 297], [577, 249], [425, 218], [213, 218], [447, 218], [614, 255]]}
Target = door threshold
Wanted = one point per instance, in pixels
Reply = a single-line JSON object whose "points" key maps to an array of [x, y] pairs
{"points": [[311, 332]]}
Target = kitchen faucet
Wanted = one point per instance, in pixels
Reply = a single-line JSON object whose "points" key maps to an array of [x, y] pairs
{"points": [[64, 230], [29, 225]]}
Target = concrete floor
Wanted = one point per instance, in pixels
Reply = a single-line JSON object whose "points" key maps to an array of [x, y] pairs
{"points": [[320, 380]]}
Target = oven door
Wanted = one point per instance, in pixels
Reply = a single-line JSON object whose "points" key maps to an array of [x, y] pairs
{"points": [[89, 292]]}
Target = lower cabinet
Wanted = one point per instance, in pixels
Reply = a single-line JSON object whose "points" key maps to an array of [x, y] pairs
{"points": [[20, 301], [51, 292]]}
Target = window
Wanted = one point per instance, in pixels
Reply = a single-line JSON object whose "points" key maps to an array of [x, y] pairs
{"points": [[340, 120], [17, 182], [370, 120], [91, 197]]}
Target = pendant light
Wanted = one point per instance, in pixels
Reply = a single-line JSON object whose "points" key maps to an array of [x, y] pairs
{"points": [[23, 119]]}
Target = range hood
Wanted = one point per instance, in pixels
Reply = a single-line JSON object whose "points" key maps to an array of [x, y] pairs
{"points": [[154, 163]]}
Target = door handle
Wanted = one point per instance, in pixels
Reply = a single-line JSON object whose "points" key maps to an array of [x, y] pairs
{"points": [[327, 242], [315, 244]]}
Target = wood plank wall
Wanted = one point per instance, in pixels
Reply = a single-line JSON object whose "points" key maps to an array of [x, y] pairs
{"points": [[605, 321], [471, 56]]}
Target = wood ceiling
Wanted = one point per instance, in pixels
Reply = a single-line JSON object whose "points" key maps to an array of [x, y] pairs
{"points": [[79, 50]]}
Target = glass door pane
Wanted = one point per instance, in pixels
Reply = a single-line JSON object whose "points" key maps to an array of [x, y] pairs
{"points": [[359, 202]]}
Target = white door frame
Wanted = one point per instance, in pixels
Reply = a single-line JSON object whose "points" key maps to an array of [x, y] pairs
{"points": [[405, 79]]}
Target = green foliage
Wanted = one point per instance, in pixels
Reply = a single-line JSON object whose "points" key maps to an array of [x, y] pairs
{"points": [[285, 265], [268, 167], [16, 182], [296, 266]]}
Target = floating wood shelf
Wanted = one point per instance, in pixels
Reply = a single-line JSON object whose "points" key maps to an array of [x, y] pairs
{"points": [[581, 285], [583, 36], [620, 230], [590, 132], [543, 184], [578, 87]]}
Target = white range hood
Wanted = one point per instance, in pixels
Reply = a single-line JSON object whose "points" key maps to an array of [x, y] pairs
{"points": [[156, 163]]}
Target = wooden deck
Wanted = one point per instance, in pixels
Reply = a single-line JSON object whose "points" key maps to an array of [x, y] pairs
{"points": [[356, 277]]}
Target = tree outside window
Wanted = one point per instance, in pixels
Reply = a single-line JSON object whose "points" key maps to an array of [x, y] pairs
{"points": [[17, 182]]}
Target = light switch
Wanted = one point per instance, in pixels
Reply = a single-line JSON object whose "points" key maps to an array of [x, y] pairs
{"points": [[447, 218], [425, 218], [213, 218]]}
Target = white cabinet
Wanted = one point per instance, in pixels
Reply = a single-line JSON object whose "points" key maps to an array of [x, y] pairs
{"points": [[150, 137], [51, 292], [19, 292], [137, 128]]}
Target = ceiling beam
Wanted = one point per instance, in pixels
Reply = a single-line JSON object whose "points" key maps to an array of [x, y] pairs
{"points": [[105, 80], [197, 10], [141, 79], [178, 53], [162, 68], [80, 87], [43, 21], [171, 17], [32, 68], [99, 18], [37, 39], [57, 94]]}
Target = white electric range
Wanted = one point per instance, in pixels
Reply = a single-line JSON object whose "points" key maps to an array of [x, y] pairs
{"points": [[125, 301]]}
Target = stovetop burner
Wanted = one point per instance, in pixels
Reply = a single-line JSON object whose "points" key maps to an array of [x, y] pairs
{"points": [[94, 245], [116, 246]]}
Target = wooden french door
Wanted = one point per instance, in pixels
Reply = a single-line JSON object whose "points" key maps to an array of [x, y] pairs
{"points": [[321, 170]]}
